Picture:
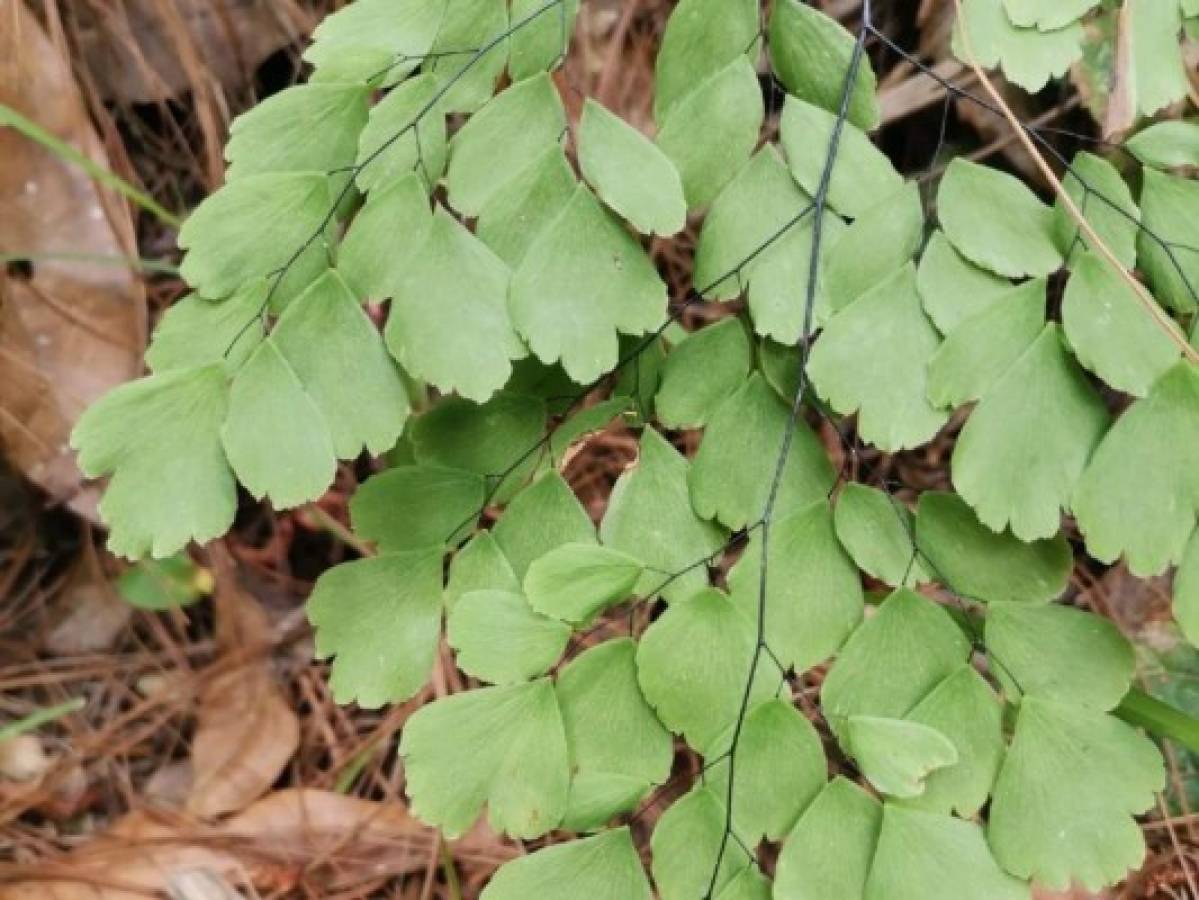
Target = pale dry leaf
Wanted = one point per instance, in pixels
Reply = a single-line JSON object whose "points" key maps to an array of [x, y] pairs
{"points": [[92, 613], [23, 758], [1121, 111]]}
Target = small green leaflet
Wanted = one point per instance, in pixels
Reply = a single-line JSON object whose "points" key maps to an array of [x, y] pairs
{"points": [[895, 755], [1159, 74], [501, 640], [876, 245], [629, 173], [952, 288], [503, 747], [1103, 197], [543, 41], [702, 37], [1166, 145], [576, 582], [528, 202], [701, 372], [878, 532], [581, 282], [1169, 205], [468, 28], [501, 139], [372, 258], [810, 52], [160, 584], [603, 867], [410, 507], [543, 516], [995, 221], [1029, 57], [828, 853], [872, 359], [380, 618], [685, 844], [1037, 14], [1186, 591], [976, 562], [194, 495], [405, 134], [373, 39], [479, 566], [196, 331]]}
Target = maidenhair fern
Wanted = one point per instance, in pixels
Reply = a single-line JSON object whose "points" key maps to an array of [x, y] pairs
{"points": [[980, 741]]}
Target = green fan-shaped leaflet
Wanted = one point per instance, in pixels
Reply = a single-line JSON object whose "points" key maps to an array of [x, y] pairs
{"points": [[380, 619], [542, 517], [383, 239], [196, 331], [1140, 494], [1062, 805], [1159, 75], [896, 755], [813, 595], [702, 36], [410, 507], [685, 845], [1035, 14], [501, 139], [872, 359], [995, 221], [780, 768], [603, 867], [879, 533], [862, 174], [733, 471], [650, 517], [1186, 591], [576, 582], [1166, 145], [1111, 333], [159, 439], [516, 214], [1169, 205], [711, 132], [1027, 442], [629, 173], [275, 435], [1029, 57], [976, 562], [480, 565], [228, 241], [471, 51], [693, 663], [952, 288], [1103, 197], [810, 52], [449, 321], [828, 852], [404, 135], [701, 372], [580, 283], [541, 43], [303, 128], [618, 748], [339, 357], [373, 39], [500, 746], [500, 639]]}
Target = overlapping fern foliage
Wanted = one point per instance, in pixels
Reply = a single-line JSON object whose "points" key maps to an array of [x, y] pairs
{"points": [[982, 744]]}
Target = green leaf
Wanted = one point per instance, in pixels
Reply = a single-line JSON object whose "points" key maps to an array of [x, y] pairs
{"points": [[275, 435], [1166, 145], [196, 331], [417, 506], [702, 37], [543, 516], [693, 664], [711, 132], [603, 867], [976, 562], [373, 258], [500, 639], [479, 566], [1168, 208], [467, 78], [862, 174], [495, 438], [1029, 57], [1035, 14], [576, 582], [540, 44], [501, 139], [828, 853], [373, 38], [404, 135], [364, 405], [872, 359], [748, 884], [1029, 439], [159, 439], [893, 660], [875, 246], [814, 593], [612, 733], [1140, 494], [303, 128], [650, 517], [527, 203], [733, 472], [811, 53], [500, 746], [1105, 200], [779, 769], [1111, 333], [953, 289], [581, 282], [1186, 591], [986, 344], [449, 321], [878, 532], [701, 372], [685, 845], [226, 244], [629, 173], [895, 755], [1158, 73], [380, 618], [1063, 803], [995, 221], [160, 584], [1059, 653]]}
